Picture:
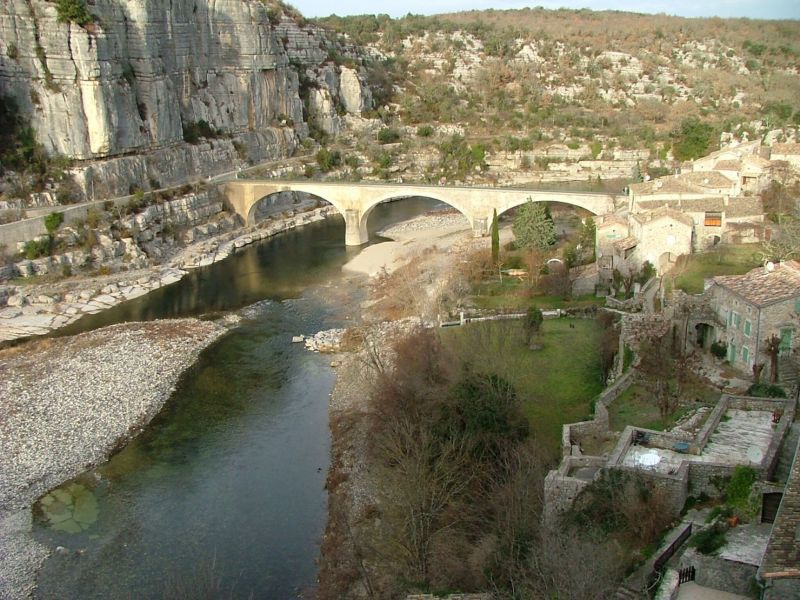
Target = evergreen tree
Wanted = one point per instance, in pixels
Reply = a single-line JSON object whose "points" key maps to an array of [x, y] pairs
{"points": [[495, 238], [534, 232]]}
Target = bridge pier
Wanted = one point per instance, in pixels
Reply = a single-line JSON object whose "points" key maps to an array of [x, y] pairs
{"points": [[355, 229], [480, 226]]}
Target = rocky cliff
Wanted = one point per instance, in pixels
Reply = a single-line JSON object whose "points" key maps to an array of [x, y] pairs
{"points": [[119, 94]]}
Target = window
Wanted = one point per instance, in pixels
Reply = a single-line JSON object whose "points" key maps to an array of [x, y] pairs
{"points": [[713, 219], [730, 318], [745, 355], [748, 327], [737, 320], [732, 353]]}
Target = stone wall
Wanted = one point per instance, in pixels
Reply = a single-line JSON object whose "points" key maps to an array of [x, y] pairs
{"points": [[720, 574], [783, 589], [190, 214]]}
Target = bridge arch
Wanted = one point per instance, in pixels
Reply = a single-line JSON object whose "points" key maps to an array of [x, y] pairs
{"points": [[367, 211]]}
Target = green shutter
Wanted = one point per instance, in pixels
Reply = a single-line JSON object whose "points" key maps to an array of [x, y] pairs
{"points": [[748, 327], [732, 353], [745, 355], [786, 340]]}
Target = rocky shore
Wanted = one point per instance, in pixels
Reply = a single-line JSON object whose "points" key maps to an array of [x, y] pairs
{"points": [[32, 309], [67, 403]]}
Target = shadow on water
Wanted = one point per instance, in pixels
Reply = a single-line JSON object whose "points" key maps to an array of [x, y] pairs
{"points": [[223, 495]]}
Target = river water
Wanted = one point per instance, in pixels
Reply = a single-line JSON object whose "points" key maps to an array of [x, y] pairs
{"points": [[223, 495]]}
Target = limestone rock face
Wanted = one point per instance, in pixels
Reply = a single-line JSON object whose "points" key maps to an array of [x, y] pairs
{"points": [[355, 96], [123, 88]]}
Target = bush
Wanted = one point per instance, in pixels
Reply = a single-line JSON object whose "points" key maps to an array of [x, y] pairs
{"points": [[719, 349], [328, 160], [766, 390], [193, 131], [708, 541], [693, 140], [53, 221], [388, 135], [11, 51], [38, 248], [73, 11], [425, 131], [737, 492]]}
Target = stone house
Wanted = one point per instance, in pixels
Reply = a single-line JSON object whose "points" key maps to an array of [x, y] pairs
{"points": [[753, 307], [786, 152], [661, 236]]}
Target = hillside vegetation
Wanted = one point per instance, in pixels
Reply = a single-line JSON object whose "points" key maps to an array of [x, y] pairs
{"points": [[598, 82]]}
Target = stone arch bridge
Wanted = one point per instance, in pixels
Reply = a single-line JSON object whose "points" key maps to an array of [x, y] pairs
{"points": [[356, 200]]}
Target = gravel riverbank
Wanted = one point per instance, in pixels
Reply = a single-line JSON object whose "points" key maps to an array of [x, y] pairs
{"points": [[66, 404]]}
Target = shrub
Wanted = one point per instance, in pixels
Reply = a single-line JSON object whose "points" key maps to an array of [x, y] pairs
{"points": [[53, 221], [766, 390], [193, 131], [737, 492], [708, 541], [425, 131], [12, 51], [388, 135], [38, 248], [73, 11], [693, 140], [719, 349], [327, 159]]}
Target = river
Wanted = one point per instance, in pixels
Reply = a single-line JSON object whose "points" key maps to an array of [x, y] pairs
{"points": [[223, 494]]}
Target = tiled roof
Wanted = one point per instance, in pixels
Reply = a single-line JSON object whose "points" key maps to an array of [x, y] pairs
{"points": [[761, 287], [728, 165], [706, 179], [782, 557], [654, 204], [663, 213], [612, 219], [714, 204], [793, 149], [663, 185], [626, 243], [746, 206]]}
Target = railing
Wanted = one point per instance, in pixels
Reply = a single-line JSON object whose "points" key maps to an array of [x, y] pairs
{"points": [[654, 579], [659, 563]]}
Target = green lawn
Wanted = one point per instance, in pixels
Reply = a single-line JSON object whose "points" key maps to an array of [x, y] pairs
{"points": [[725, 259], [514, 294], [636, 407], [556, 382]]}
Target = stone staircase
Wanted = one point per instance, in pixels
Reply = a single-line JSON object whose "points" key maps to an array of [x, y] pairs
{"points": [[787, 372], [786, 454]]}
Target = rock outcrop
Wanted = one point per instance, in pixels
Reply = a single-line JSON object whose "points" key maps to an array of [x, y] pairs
{"points": [[126, 87]]}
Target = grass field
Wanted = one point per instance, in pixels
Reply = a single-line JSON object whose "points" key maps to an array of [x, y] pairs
{"points": [[635, 406], [557, 382], [515, 294], [725, 259]]}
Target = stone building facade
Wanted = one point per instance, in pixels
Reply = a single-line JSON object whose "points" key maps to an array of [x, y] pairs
{"points": [[753, 307]]}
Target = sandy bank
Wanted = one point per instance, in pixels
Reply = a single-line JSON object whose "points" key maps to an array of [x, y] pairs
{"points": [[409, 238]]}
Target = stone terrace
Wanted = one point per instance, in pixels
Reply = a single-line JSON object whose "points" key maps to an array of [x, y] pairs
{"points": [[740, 439]]}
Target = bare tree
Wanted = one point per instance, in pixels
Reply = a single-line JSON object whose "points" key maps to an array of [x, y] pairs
{"points": [[662, 373], [772, 348]]}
